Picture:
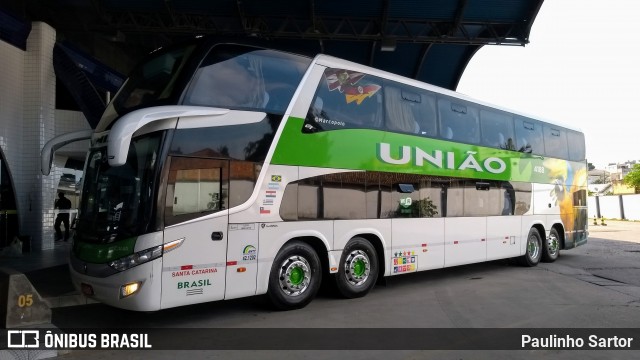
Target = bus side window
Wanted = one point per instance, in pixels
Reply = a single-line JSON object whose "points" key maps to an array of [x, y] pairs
{"points": [[409, 110], [529, 137], [345, 99], [398, 112], [576, 146], [458, 121], [497, 130], [555, 142]]}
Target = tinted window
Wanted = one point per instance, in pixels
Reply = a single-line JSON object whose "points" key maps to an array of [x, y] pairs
{"points": [[239, 77], [117, 202], [458, 121], [455, 198], [523, 197], [344, 196], [150, 82], [555, 142], [243, 176], [414, 195], [362, 195], [379, 205], [242, 142], [309, 205], [576, 146], [529, 136], [345, 100], [409, 110], [497, 129], [394, 195], [333, 196], [195, 187]]}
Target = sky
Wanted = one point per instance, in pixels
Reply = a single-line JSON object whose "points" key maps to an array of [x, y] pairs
{"points": [[581, 68]]}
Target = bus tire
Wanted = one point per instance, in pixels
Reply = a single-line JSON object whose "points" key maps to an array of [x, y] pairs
{"points": [[533, 251], [358, 270], [551, 248], [295, 276]]}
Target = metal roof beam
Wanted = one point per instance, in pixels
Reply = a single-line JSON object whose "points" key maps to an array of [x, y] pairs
{"points": [[323, 28]]}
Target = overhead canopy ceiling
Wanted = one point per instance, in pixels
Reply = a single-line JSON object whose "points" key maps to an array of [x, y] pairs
{"points": [[430, 40]]}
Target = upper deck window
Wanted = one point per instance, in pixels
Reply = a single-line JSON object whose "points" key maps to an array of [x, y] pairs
{"points": [[345, 99], [576, 146], [151, 83], [497, 129], [458, 121], [555, 142], [529, 137], [240, 77]]}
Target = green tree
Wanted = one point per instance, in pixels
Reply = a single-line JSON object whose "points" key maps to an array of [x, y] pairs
{"points": [[632, 179]]}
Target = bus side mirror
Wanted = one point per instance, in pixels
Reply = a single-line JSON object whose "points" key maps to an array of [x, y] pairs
{"points": [[46, 155]]}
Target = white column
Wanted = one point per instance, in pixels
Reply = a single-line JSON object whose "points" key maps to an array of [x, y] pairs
{"points": [[35, 193]]}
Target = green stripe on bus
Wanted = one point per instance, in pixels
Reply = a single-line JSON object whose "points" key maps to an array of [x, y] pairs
{"points": [[366, 149]]}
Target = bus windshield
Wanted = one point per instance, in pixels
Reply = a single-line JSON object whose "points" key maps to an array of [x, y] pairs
{"points": [[228, 76], [246, 78], [151, 83], [117, 202]]}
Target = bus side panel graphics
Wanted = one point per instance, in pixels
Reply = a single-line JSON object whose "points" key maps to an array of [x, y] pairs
{"points": [[195, 272], [570, 195], [242, 260], [391, 152], [418, 244]]}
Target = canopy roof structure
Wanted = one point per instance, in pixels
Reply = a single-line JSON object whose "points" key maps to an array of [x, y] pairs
{"points": [[429, 40]]}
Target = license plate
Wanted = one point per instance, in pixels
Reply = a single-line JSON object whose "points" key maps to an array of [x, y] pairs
{"points": [[86, 289]]}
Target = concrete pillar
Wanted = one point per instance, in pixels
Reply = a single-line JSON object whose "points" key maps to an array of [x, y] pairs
{"points": [[36, 193]]}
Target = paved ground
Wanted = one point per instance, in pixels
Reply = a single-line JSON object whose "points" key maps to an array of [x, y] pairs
{"points": [[617, 230]]}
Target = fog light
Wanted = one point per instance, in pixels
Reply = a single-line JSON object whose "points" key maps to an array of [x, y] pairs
{"points": [[129, 289]]}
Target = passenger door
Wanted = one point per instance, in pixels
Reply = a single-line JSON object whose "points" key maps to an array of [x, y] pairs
{"points": [[196, 217]]}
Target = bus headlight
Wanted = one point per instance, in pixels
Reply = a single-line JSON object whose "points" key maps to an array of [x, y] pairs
{"points": [[136, 259], [129, 289]]}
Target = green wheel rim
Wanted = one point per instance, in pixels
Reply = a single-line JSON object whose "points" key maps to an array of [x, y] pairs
{"points": [[357, 267], [297, 276], [294, 275]]}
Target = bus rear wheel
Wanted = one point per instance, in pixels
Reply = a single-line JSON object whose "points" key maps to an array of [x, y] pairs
{"points": [[551, 249], [533, 253], [295, 276], [358, 270]]}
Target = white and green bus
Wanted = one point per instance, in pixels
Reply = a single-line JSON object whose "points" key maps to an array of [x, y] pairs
{"points": [[223, 170]]}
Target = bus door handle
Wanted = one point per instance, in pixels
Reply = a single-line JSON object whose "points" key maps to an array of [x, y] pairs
{"points": [[217, 236]]}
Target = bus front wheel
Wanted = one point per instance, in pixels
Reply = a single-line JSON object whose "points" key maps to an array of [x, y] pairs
{"points": [[533, 252], [295, 276], [551, 249], [358, 270]]}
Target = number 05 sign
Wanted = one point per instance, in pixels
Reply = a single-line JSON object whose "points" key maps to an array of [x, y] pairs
{"points": [[21, 305]]}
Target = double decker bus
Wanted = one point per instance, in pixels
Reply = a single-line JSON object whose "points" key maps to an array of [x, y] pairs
{"points": [[223, 170]]}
